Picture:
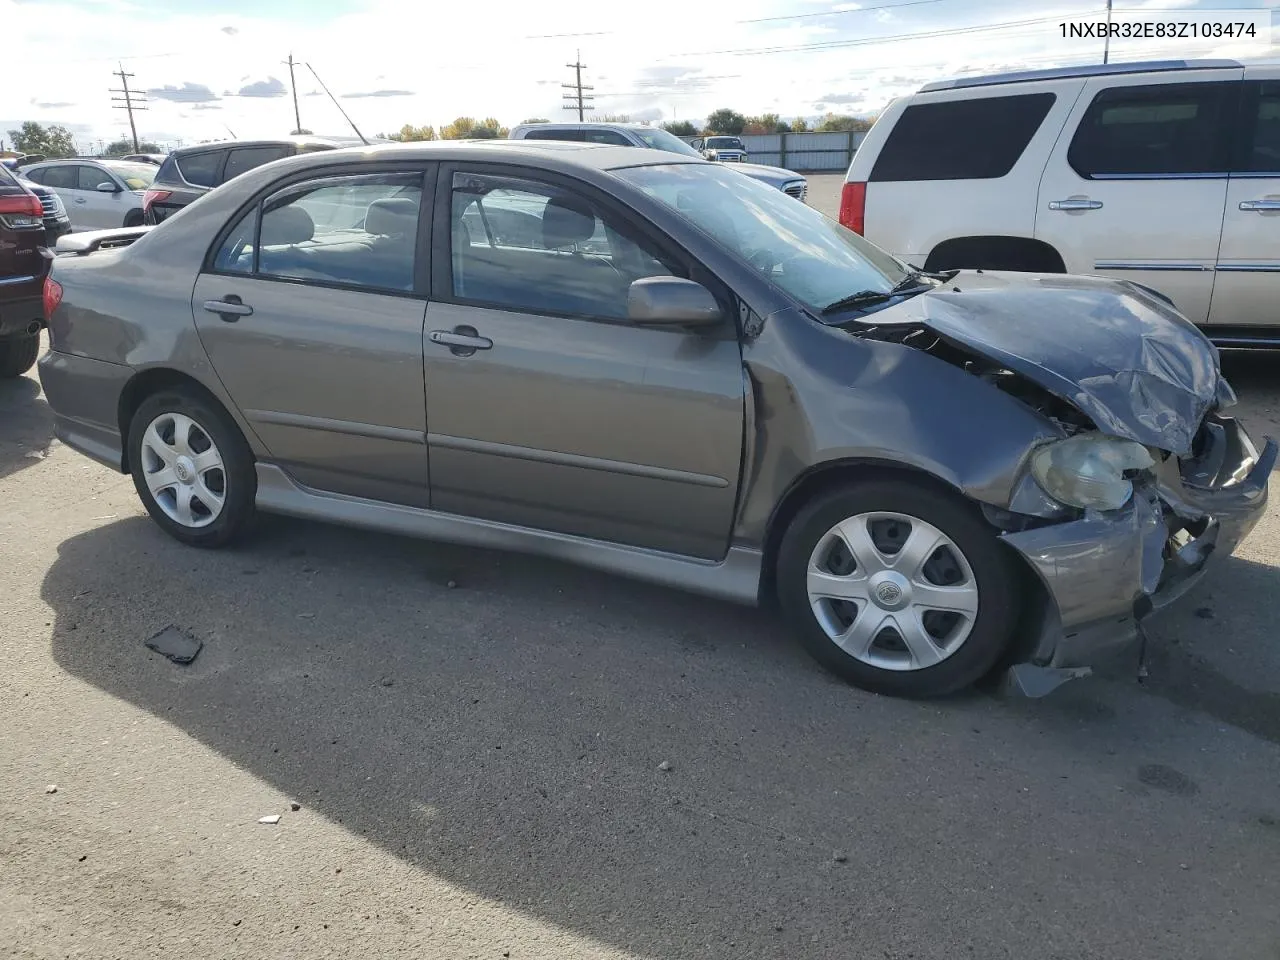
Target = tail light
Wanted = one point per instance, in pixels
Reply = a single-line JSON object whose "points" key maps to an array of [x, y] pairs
{"points": [[853, 206], [52, 296], [154, 196], [20, 210]]}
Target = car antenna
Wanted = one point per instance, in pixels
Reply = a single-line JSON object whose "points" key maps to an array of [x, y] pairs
{"points": [[338, 105], [232, 132]]}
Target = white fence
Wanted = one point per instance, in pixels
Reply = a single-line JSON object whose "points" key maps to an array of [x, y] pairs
{"points": [[802, 152]]}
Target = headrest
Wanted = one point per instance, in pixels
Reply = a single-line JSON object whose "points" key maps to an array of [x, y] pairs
{"points": [[286, 225], [566, 222], [392, 216]]}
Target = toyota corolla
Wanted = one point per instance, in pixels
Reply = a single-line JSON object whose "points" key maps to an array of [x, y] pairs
{"points": [[651, 365]]}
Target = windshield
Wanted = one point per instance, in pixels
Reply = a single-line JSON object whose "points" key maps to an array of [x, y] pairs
{"points": [[732, 143], [814, 259], [659, 139], [136, 176]]}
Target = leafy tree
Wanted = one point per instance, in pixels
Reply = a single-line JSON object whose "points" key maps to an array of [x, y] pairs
{"points": [[536, 120], [466, 128], [680, 128], [840, 123], [726, 121], [410, 134], [615, 118], [782, 127], [53, 141], [765, 123], [121, 147], [799, 125]]}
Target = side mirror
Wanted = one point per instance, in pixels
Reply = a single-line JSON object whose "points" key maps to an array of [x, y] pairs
{"points": [[671, 301], [107, 188]]}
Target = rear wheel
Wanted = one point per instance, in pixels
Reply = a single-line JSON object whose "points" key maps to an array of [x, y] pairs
{"points": [[898, 587], [18, 354], [133, 218], [192, 468]]}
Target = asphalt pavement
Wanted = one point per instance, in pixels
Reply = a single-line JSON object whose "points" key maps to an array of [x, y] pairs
{"points": [[496, 756]]}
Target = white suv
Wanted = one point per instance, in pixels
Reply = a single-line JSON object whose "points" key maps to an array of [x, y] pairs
{"points": [[1166, 174]]}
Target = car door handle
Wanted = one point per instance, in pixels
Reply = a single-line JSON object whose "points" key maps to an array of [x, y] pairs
{"points": [[229, 308], [1260, 206], [463, 341], [1075, 204]]}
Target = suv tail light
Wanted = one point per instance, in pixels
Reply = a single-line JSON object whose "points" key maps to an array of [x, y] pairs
{"points": [[853, 206], [154, 196], [20, 210], [52, 296]]}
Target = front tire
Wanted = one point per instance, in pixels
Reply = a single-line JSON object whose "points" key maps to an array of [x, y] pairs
{"points": [[192, 468], [898, 587], [18, 354]]}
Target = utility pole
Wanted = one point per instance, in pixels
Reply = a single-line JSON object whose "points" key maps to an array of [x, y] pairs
{"points": [[1106, 47], [131, 101], [577, 100], [297, 120]]}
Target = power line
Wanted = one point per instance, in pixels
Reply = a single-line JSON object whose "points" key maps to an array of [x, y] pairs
{"points": [[130, 100], [577, 100]]}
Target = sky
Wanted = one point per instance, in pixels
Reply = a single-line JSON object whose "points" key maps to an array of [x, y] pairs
{"points": [[211, 70]]}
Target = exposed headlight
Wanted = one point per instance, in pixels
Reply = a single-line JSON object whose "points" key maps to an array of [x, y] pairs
{"points": [[1088, 470]]}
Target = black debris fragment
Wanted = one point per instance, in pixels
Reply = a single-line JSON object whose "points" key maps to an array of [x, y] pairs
{"points": [[177, 645]]}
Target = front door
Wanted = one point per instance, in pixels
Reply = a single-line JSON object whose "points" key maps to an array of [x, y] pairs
{"points": [[314, 325], [1135, 186], [100, 209], [1244, 293], [546, 408]]}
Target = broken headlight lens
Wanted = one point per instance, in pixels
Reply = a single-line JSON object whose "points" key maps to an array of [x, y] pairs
{"points": [[1088, 470]]}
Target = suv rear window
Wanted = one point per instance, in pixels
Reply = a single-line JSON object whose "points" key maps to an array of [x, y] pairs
{"points": [[961, 139], [1166, 129], [200, 169]]}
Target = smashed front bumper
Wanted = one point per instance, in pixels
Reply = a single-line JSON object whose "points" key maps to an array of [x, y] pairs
{"points": [[1102, 574]]}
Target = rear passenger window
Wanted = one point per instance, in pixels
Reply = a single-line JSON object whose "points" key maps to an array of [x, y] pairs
{"points": [[961, 139], [352, 231], [1163, 130], [246, 158], [574, 135], [200, 169], [61, 178], [607, 136], [1260, 129], [535, 247]]}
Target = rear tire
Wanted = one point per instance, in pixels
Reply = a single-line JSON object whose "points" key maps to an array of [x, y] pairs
{"points": [[18, 354], [898, 587], [133, 218], [192, 468]]}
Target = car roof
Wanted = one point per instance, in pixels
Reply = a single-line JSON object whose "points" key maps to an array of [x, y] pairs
{"points": [[595, 156], [1092, 70], [585, 125], [270, 142]]}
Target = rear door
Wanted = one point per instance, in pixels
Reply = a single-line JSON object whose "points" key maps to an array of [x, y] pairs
{"points": [[547, 408], [64, 180], [1248, 273], [311, 312], [1137, 182]]}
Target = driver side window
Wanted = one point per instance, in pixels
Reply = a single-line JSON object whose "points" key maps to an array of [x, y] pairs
{"points": [[532, 246]]}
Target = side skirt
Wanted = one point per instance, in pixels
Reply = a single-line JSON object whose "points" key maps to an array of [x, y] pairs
{"points": [[736, 578]]}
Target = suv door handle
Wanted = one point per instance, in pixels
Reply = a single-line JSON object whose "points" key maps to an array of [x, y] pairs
{"points": [[462, 340], [1075, 204], [1260, 206], [229, 308]]}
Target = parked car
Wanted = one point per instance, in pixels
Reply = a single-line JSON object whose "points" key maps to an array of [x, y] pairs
{"points": [[722, 149], [1167, 174], [56, 221], [733, 395], [191, 172], [654, 138], [23, 267], [98, 194]]}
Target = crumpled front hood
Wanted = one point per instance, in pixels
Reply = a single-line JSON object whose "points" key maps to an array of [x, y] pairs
{"points": [[1128, 361]]}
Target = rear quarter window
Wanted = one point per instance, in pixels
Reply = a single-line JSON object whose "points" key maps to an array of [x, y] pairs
{"points": [[246, 158], [978, 139], [201, 169]]}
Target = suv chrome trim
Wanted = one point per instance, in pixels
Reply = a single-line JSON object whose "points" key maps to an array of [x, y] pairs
{"points": [[1093, 70], [1139, 265]]}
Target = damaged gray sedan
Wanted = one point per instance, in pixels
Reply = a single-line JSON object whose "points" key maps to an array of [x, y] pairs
{"points": [[650, 365]]}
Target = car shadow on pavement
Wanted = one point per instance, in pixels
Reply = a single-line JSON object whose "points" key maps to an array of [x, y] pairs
{"points": [[662, 772], [26, 425]]}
